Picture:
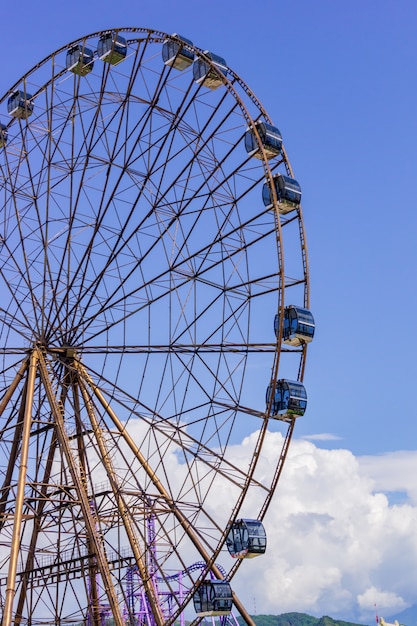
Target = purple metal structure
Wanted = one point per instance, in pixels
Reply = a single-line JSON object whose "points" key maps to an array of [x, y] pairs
{"points": [[138, 606], [168, 599]]}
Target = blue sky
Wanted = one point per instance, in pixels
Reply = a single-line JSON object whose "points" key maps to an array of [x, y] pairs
{"points": [[339, 80]]}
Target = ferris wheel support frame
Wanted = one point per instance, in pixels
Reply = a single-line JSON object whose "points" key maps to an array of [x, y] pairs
{"points": [[211, 566]]}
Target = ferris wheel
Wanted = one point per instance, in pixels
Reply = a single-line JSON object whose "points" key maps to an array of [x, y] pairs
{"points": [[147, 206]]}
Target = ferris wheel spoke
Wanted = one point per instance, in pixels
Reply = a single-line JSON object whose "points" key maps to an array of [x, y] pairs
{"points": [[170, 429], [127, 159], [100, 274], [144, 463], [90, 131], [16, 269], [146, 349], [206, 251], [38, 236], [98, 281], [65, 165], [165, 163]]}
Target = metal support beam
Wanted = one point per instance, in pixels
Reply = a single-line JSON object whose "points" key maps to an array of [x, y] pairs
{"points": [[23, 466], [161, 489], [58, 413], [123, 510]]}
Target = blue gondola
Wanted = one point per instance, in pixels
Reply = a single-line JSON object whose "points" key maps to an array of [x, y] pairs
{"points": [[204, 74], [213, 597], [20, 105], [270, 137], [298, 326], [289, 399], [80, 60], [175, 55], [246, 539], [112, 48], [288, 193], [3, 135]]}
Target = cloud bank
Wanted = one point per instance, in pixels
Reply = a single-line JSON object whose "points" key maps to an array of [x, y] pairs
{"points": [[341, 530], [336, 545]]}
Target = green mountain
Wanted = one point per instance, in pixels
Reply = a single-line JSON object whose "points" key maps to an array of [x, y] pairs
{"points": [[295, 619]]}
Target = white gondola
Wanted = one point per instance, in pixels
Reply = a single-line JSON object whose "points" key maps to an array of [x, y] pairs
{"points": [[213, 598], [246, 539], [204, 72], [270, 138], [287, 190], [176, 55], [20, 105], [112, 48], [3, 135], [298, 327], [289, 399], [80, 60]]}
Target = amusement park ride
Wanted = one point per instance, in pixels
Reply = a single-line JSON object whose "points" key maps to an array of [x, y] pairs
{"points": [[147, 207]]}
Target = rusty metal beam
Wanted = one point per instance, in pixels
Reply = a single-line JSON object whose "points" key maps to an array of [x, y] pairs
{"points": [[161, 489], [15, 547], [123, 510], [79, 484]]}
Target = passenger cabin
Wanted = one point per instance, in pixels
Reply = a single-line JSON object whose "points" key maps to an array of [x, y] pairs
{"points": [[112, 48], [246, 539], [212, 598], [288, 193], [298, 327], [204, 72], [20, 105], [175, 55], [270, 138], [80, 60], [289, 399], [3, 135]]}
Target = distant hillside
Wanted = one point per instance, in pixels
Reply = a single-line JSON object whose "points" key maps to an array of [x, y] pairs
{"points": [[295, 619], [408, 617]]}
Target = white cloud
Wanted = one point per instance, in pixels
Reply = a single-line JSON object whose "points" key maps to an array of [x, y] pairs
{"points": [[392, 471], [335, 545], [322, 437], [389, 600]]}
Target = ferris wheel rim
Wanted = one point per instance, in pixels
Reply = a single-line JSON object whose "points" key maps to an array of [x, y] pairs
{"points": [[229, 84]]}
